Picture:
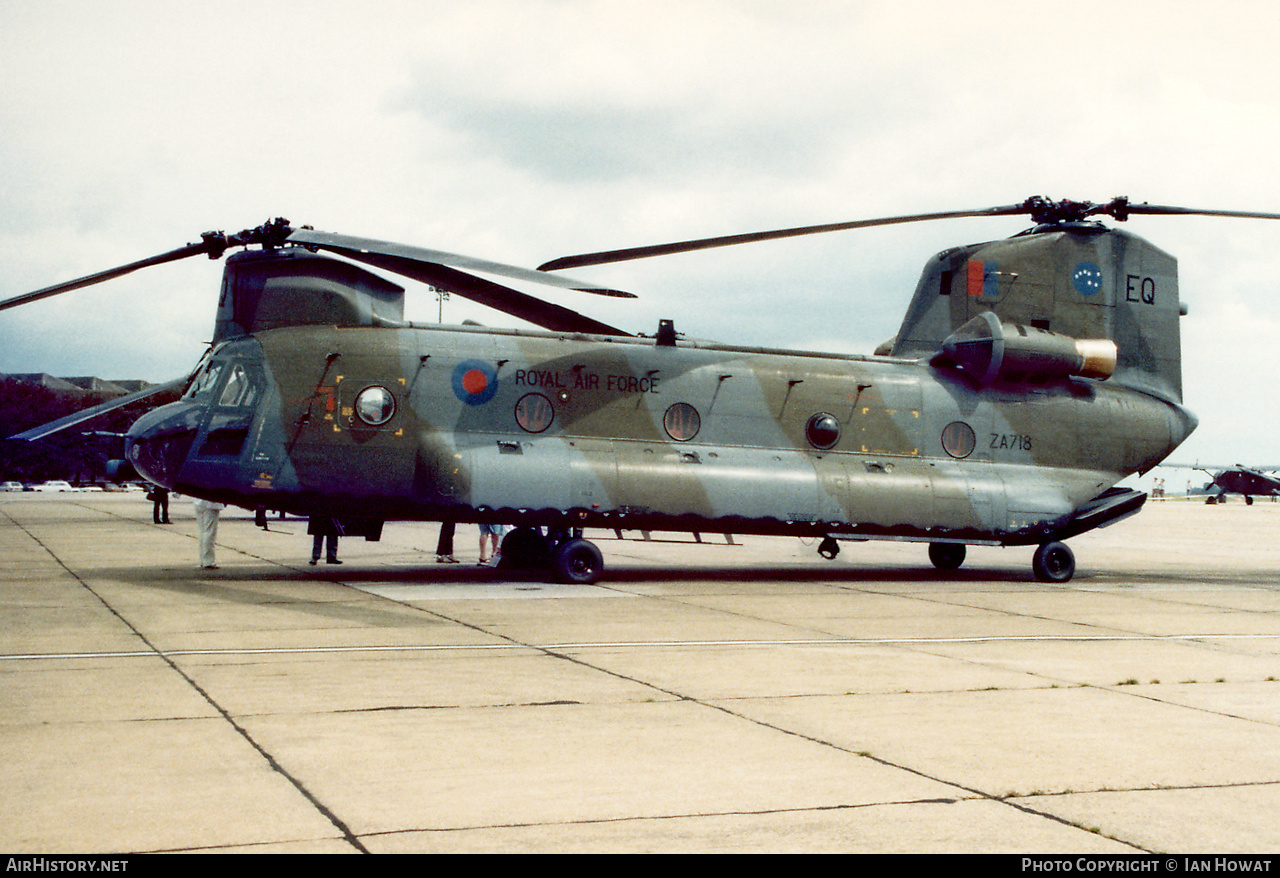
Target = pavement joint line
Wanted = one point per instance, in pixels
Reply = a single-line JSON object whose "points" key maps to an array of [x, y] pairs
{"points": [[345, 831], [640, 644]]}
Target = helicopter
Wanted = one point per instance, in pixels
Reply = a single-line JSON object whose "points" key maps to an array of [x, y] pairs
{"points": [[1030, 375]]}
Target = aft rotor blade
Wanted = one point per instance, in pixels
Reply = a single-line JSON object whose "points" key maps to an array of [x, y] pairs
{"points": [[360, 248], [109, 274], [608, 256], [1162, 209]]}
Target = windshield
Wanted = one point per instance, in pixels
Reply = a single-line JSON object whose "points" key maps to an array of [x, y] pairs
{"points": [[206, 380]]}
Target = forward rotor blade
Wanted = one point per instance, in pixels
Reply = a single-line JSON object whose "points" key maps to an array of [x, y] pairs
{"points": [[92, 412], [361, 248], [608, 256], [109, 274], [494, 295]]}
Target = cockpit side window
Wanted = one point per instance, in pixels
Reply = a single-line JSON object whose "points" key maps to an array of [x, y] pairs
{"points": [[239, 391], [233, 388]]}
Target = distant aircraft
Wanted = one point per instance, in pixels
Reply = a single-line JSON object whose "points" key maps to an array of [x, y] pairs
{"points": [[1241, 480]]}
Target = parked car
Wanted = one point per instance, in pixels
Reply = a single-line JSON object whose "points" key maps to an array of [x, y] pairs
{"points": [[11, 486], [54, 485]]}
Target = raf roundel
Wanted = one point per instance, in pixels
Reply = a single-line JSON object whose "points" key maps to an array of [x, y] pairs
{"points": [[475, 382]]}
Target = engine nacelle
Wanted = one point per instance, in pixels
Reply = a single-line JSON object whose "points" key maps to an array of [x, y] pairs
{"points": [[989, 350]]}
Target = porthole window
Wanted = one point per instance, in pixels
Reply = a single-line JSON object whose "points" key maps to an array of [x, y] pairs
{"points": [[958, 439], [375, 405], [534, 413], [682, 422], [823, 431]]}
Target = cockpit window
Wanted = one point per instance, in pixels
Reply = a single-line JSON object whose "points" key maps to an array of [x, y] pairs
{"points": [[239, 390], [207, 380]]}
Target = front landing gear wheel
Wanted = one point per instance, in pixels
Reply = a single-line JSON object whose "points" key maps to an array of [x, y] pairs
{"points": [[1054, 562], [526, 549], [947, 556], [577, 562]]}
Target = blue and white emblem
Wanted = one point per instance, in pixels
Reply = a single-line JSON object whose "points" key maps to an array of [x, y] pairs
{"points": [[1087, 279]]}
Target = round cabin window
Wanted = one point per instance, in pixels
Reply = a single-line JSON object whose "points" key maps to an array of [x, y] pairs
{"points": [[958, 439], [375, 405], [534, 413], [823, 431], [682, 422]]}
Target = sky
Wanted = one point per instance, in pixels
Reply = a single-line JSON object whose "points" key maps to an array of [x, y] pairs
{"points": [[522, 130]]}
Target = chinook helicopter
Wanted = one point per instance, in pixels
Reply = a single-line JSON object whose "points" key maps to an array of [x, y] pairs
{"points": [[1030, 375]]}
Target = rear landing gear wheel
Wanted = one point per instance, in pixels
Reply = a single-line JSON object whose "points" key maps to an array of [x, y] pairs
{"points": [[947, 556], [1054, 562], [577, 562]]}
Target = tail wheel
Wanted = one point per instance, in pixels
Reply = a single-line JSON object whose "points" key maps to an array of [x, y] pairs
{"points": [[1054, 562], [947, 556], [578, 562]]}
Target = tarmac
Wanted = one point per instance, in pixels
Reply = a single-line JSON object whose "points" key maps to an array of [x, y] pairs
{"points": [[722, 696]]}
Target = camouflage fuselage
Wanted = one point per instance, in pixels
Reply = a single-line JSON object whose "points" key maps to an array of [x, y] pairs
{"points": [[532, 427]]}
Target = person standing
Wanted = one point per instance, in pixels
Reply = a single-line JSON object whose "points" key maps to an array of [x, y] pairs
{"points": [[444, 546], [324, 532], [207, 530], [490, 540], [159, 498]]}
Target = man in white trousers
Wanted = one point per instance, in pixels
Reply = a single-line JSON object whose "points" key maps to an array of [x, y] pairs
{"points": [[207, 530]]}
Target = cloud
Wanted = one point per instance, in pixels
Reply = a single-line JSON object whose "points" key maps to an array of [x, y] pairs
{"points": [[662, 146], [520, 131]]}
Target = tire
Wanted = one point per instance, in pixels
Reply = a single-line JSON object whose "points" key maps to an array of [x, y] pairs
{"points": [[578, 562], [525, 549], [947, 556], [1054, 562]]}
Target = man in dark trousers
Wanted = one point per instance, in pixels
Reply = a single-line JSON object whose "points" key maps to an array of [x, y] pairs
{"points": [[159, 498], [324, 530], [444, 546]]}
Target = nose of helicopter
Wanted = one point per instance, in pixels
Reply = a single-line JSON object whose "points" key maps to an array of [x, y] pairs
{"points": [[158, 442]]}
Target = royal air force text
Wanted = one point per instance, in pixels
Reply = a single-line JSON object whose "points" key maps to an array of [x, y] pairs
{"points": [[580, 380]]}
